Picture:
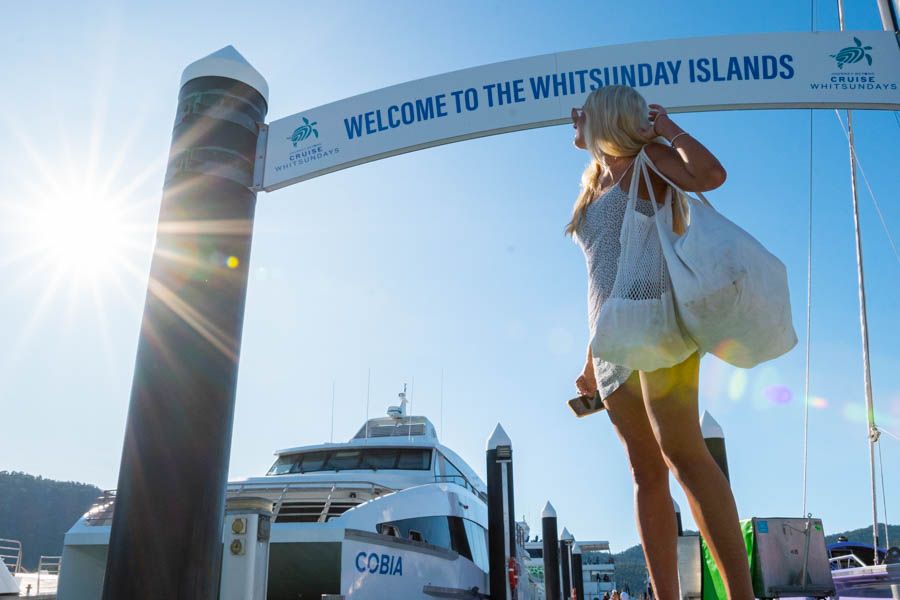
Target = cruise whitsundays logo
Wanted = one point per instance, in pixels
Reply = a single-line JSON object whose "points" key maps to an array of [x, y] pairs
{"points": [[304, 131], [852, 54], [305, 154]]}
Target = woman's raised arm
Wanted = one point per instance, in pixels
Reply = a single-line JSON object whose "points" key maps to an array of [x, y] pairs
{"points": [[686, 162]]}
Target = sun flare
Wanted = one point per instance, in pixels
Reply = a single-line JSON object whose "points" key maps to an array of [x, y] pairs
{"points": [[82, 236]]}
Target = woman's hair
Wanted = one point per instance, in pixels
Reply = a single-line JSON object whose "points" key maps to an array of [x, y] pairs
{"points": [[614, 117]]}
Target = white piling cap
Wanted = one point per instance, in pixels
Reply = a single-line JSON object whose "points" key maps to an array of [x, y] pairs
{"points": [[576, 549], [566, 536], [229, 63], [498, 438], [549, 512], [710, 427]]}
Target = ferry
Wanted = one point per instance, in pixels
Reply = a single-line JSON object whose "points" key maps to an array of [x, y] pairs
{"points": [[392, 513]]}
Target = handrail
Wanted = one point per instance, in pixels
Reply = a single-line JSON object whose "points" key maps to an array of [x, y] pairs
{"points": [[7, 546], [50, 564], [836, 560]]}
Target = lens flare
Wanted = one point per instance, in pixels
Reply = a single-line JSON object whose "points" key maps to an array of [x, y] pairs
{"points": [[818, 402], [855, 412], [738, 385], [779, 394]]}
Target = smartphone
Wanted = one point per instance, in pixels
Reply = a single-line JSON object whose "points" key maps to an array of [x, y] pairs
{"points": [[583, 406]]}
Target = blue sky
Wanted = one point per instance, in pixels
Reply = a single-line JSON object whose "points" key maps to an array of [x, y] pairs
{"points": [[449, 260]]}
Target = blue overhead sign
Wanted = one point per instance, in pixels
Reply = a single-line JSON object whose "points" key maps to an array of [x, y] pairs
{"points": [[776, 70]]}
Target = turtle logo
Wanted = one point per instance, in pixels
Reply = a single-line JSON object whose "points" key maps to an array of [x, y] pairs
{"points": [[304, 131], [852, 54]]}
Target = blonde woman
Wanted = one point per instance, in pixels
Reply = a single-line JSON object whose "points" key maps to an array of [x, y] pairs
{"points": [[654, 413]]}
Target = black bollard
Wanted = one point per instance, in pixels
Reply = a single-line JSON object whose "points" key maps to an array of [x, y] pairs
{"points": [[551, 553], [678, 518], [501, 511], [715, 441], [166, 536], [565, 562], [577, 572]]}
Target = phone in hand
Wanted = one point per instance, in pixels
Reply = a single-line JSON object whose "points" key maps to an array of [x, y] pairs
{"points": [[583, 406]]}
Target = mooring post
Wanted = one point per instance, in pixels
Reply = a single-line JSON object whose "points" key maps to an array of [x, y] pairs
{"points": [[166, 534], [565, 559], [678, 518], [551, 552], [245, 558], [501, 511], [577, 572], [715, 441]]}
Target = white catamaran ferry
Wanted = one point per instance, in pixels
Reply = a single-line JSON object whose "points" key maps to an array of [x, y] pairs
{"points": [[390, 514]]}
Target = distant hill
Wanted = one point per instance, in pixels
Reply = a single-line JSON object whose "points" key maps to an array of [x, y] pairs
{"points": [[631, 570], [38, 512]]}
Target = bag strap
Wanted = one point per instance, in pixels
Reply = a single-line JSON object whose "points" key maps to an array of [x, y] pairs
{"points": [[673, 185]]}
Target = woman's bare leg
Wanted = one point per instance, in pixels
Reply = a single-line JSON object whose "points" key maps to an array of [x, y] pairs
{"points": [[654, 510], [670, 398]]}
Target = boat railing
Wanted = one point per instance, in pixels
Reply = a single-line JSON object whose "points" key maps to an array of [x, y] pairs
{"points": [[48, 565], [846, 561], [11, 554], [310, 501], [462, 482]]}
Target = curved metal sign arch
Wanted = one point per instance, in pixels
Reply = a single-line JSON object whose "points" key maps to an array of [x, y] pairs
{"points": [[775, 70]]}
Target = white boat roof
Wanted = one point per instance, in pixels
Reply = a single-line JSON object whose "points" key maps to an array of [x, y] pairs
{"points": [[397, 432]]}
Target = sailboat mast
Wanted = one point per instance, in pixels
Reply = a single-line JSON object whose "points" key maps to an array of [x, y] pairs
{"points": [[863, 321]]}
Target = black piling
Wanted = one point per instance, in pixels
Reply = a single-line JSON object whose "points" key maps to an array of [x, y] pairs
{"points": [[501, 511], [678, 518], [551, 553], [577, 572], [166, 534], [715, 441], [565, 562]]}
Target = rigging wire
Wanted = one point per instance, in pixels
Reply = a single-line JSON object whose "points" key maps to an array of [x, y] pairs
{"points": [[893, 435], [884, 226], [887, 536], [812, 27], [809, 241]]}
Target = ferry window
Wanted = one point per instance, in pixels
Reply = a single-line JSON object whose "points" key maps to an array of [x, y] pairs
{"points": [[418, 459], [477, 543], [454, 474], [432, 530], [458, 538], [380, 458], [390, 530], [312, 461], [415, 459], [416, 536], [536, 552], [342, 460]]}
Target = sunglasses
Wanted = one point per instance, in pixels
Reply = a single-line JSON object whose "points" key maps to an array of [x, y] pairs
{"points": [[577, 115]]}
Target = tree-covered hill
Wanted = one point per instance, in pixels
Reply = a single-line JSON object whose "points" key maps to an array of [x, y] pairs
{"points": [[38, 512]]}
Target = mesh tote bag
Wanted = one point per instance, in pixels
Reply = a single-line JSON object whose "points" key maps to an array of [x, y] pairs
{"points": [[730, 292], [637, 326]]}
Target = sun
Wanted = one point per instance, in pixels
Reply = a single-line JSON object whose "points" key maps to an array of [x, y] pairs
{"points": [[82, 235]]}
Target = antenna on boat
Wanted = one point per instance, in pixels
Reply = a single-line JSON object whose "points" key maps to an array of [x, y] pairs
{"points": [[331, 440], [398, 412], [412, 394], [442, 404]]}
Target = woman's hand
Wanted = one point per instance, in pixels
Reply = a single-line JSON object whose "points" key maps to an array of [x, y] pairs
{"points": [[660, 124], [586, 384]]}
